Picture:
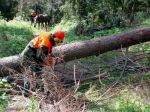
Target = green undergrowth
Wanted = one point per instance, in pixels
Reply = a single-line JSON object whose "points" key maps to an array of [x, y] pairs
{"points": [[3, 101], [14, 35], [129, 94], [33, 106]]}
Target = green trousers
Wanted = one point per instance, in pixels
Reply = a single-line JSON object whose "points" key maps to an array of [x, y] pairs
{"points": [[29, 59]]}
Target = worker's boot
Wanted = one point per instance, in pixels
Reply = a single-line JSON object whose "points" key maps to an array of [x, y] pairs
{"points": [[24, 86], [18, 85], [26, 89]]}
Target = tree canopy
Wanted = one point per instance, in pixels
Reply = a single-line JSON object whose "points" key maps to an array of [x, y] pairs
{"points": [[89, 13], [8, 8]]}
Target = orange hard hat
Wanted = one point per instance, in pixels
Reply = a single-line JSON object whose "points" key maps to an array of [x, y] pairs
{"points": [[60, 34]]}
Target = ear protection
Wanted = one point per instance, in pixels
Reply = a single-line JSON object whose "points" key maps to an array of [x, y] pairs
{"points": [[56, 40]]}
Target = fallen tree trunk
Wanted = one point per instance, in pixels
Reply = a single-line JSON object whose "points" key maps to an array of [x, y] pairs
{"points": [[9, 65], [87, 48], [101, 45]]}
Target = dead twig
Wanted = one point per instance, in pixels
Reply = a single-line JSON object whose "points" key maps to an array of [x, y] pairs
{"points": [[125, 64]]}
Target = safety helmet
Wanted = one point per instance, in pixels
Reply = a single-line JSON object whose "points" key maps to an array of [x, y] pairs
{"points": [[60, 34]]}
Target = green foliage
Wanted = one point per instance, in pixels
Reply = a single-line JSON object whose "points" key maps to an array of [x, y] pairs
{"points": [[85, 86], [8, 8], [111, 31], [143, 47], [119, 105], [68, 8], [146, 22], [114, 13], [14, 37], [126, 98], [126, 105], [33, 106], [3, 101]]}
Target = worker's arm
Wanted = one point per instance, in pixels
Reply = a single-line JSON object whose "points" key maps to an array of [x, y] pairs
{"points": [[42, 52]]}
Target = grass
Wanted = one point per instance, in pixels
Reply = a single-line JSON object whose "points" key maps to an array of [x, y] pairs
{"points": [[128, 96], [3, 101], [13, 36], [33, 105]]}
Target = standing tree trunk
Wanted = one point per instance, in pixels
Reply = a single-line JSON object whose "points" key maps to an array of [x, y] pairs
{"points": [[88, 48]]}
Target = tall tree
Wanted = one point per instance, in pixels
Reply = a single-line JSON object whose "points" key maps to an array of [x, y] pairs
{"points": [[8, 8]]}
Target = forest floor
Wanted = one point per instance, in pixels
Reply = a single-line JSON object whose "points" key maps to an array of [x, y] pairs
{"points": [[121, 85]]}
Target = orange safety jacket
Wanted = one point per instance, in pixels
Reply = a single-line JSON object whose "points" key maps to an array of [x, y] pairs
{"points": [[42, 39]]}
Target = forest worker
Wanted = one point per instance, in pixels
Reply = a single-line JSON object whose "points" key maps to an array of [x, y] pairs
{"points": [[40, 47], [34, 56], [32, 16]]}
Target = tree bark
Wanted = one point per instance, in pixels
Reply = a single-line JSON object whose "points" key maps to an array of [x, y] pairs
{"points": [[9, 65], [101, 45], [86, 48]]}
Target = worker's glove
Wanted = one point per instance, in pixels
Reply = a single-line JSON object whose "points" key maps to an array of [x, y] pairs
{"points": [[51, 61], [58, 60], [55, 60]]}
